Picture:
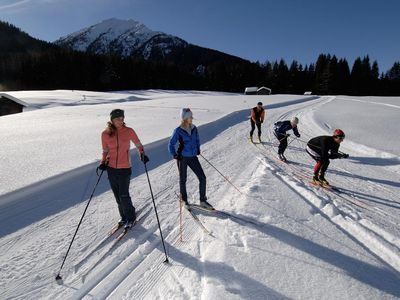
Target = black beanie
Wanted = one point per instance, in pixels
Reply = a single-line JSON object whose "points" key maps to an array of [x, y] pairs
{"points": [[116, 113]]}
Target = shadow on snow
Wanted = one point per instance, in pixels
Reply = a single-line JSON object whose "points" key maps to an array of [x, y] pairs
{"points": [[35, 202]]}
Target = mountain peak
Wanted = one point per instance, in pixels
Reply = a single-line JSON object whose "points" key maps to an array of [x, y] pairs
{"points": [[119, 24], [121, 37]]}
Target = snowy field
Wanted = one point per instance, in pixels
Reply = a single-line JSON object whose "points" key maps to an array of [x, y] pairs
{"points": [[283, 239]]}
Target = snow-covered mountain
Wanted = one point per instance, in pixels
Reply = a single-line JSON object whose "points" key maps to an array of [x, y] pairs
{"points": [[124, 38], [129, 38]]}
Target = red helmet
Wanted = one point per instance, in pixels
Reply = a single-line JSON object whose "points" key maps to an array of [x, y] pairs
{"points": [[339, 133]]}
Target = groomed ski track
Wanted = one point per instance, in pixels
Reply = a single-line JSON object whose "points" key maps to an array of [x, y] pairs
{"points": [[349, 239]]}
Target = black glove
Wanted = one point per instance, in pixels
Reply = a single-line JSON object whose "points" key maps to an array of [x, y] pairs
{"points": [[344, 155], [178, 157], [198, 152], [287, 134], [298, 135], [103, 166], [144, 158]]}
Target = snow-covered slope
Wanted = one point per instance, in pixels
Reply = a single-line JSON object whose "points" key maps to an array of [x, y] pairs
{"points": [[283, 239], [72, 128], [121, 37]]}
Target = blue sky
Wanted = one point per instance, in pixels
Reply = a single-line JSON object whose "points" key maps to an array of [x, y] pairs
{"points": [[256, 30]]}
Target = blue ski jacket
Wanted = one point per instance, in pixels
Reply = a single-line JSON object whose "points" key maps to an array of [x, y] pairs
{"points": [[188, 144], [283, 126]]}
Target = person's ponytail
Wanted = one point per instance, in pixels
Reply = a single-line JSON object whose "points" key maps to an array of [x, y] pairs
{"points": [[111, 129]]}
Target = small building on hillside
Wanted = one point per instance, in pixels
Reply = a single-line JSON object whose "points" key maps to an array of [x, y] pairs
{"points": [[308, 93], [264, 91], [251, 90], [257, 91], [10, 105]]}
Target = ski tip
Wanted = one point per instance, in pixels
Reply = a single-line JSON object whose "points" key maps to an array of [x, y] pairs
{"points": [[122, 235], [59, 279]]}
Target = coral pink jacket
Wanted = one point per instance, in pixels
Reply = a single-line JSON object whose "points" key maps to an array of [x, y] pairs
{"points": [[116, 148]]}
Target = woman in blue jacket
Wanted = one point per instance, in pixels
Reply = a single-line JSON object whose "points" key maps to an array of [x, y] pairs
{"points": [[184, 146]]}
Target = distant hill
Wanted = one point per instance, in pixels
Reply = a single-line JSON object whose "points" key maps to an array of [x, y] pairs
{"points": [[132, 39], [126, 55], [13, 40]]}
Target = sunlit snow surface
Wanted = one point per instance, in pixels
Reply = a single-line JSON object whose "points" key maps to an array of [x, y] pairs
{"points": [[288, 240]]}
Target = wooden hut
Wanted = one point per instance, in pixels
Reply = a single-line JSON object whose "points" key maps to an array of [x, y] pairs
{"points": [[10, 105]]}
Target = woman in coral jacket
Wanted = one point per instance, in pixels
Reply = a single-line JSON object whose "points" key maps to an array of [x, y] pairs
{"points": [[116, 139]]}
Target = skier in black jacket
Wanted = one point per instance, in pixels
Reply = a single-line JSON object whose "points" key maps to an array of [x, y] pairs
{"points": [[280, 132], [323, 148]]}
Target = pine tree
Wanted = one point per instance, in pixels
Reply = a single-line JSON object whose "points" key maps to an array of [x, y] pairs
{"points": [[294, 76], [357, 77], [375, 70], [394, 72], [343, 77]]}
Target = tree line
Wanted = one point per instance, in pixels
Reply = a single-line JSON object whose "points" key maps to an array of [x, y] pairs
{"points": [[27, 63], [332, 76]]}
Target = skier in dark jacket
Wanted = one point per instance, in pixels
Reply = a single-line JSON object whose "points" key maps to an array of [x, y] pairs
{"points": [[323, 148], [257, 118], [186, 137], [280, 132]]}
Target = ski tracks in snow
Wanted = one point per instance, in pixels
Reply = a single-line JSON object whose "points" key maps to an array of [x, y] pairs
{"points": [[139, 273], [344, 209], [206, 267]]}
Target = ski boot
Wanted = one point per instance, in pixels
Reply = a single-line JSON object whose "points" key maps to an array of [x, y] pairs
{"points": [[282, 157], [121, 222], [259, 139], [204, 204], [251, 139], [323, 181], [315, 180], [186, 205], [129, 225]]}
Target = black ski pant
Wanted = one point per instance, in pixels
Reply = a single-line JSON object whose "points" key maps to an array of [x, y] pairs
{"points": [[253, 127], [119, 181], [194, 164], [321, 165], [283, 143]]}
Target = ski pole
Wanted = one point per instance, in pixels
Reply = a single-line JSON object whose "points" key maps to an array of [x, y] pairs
{"points": [[58, 277], [223, 176], [155, 210], [180, 221], [293, 139], [180, 206]]}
